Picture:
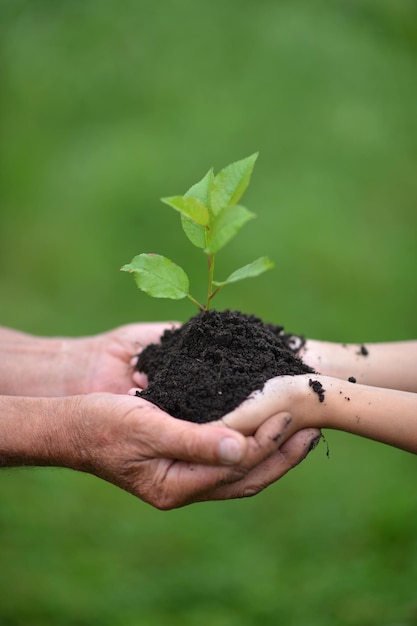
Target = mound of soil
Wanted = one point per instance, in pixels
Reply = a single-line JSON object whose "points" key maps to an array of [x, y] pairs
{"points": [[211, 364]]}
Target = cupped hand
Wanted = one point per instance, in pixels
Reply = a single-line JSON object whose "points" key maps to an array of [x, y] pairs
{"points": [[282, 405], [109, 358], [169, 462], [281, 398], [162, 460]]}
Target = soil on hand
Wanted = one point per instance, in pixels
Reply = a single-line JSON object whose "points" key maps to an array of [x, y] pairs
{"points": [[211, 364]]}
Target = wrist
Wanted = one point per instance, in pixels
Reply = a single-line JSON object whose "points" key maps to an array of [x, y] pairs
{"points": [[309, 403], [322, 356]]}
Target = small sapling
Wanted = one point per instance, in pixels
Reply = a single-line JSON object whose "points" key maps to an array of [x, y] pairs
{"points": [[210, 216]]}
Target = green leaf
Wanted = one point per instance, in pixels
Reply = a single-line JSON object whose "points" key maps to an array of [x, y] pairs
{"points": [[196, 233], [230, 183], [248, 271], [225, 226], [201, 190], [190, 207], [158, 276]]}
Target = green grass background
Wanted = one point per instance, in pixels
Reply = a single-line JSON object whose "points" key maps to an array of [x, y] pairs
{"points": [[105, 107]]}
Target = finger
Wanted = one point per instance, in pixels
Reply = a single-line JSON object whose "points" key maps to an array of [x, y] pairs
{"points": [[171, 438], [260, 448], [276, 429], [140, 379], [291, 453], [260, 406], [185, 483], [152, 332], [136, 337], [267, 439]]}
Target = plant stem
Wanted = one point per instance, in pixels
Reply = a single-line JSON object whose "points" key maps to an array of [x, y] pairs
{"points": [[216, 291], [200, 306], [210, 261]]}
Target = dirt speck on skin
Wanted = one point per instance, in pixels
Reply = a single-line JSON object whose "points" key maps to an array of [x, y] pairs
{"points": [[352, 379], [318, 388], [213, 362], [363, 351]]}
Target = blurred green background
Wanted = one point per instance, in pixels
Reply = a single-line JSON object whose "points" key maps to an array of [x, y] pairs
{"points": [[105, 107]]}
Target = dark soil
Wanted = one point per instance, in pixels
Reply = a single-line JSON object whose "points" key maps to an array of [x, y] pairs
{"points": [[211, 364], [318, 388]]}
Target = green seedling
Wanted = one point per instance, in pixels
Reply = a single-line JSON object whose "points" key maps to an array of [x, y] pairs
{"points": [[210, 218]]}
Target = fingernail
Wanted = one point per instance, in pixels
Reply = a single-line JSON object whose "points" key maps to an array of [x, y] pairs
{"points": [[134, 361], [230, 451], [313, 443]]}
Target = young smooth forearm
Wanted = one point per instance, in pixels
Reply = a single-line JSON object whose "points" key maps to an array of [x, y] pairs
{"points": [[313, 401], [385, 415], [392, 365]]}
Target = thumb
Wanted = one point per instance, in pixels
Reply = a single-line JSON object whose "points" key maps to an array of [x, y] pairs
{"points": [[210, 443]]}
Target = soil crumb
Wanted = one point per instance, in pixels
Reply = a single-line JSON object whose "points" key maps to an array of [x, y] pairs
{"points": [[318, 388], [363, 351], [211, 364], [327, 446], [352, 379]]}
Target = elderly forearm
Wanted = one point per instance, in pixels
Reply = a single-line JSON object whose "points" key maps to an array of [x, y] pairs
{"points": [[37, 366], [36, 431]]}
